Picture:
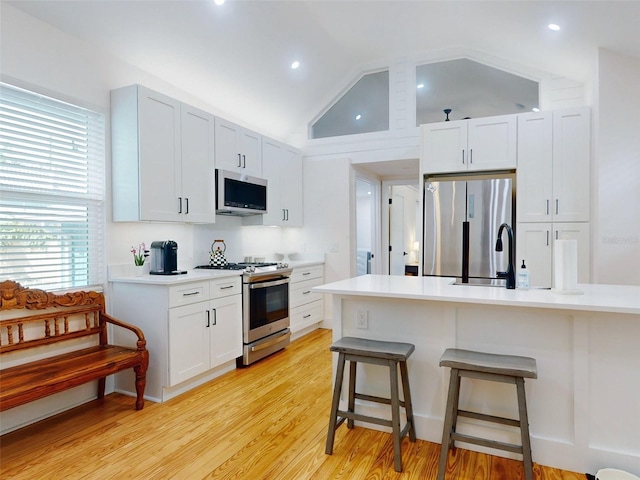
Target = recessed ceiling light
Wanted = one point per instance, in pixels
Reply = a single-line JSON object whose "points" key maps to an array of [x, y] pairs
{"points": [[554, 27], [358, 117], [218, 2], [295, 65], [420, 85]]}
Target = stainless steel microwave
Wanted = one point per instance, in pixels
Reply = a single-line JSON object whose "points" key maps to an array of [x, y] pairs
{"points": [[239, 194]]}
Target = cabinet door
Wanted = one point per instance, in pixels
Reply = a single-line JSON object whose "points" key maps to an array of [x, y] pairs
{"points": [[227, 153], [492, 143], [188, 342], [198, 166], [571, 165], [535, 165], [443, 147], [579, 231], [159, 156], [272, 155], [250, 147], [291, 187], [225, 330], [534, 245], [238, 149]]}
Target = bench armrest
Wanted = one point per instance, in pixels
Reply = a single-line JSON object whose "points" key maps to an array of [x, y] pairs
{"points": [[141, 343]]}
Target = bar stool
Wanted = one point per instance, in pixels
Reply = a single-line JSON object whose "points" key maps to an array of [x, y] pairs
{"points": [[497, 368], [375, 352]]}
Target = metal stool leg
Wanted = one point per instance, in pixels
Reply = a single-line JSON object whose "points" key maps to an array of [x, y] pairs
{"points": [[524, 430], [450, 410], [334, 405]]}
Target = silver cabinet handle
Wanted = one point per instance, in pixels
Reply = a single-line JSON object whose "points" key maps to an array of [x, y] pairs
{"points": [[306, 273], [227, 287], [471, 155], [208, 319], [308, 291], [215, 317], [244, 161], [307, 315], [556, 206], [239, 160], [197, 292], [547, 238], [547, 206], [463, 156], [180, 207]]}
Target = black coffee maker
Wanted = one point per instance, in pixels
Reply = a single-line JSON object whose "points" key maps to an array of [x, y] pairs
{"points": [[164, 258]]}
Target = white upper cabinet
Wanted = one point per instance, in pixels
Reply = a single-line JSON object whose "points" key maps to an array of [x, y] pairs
{"points": [[470, 145], [554, 166], [282, 167], [237, 148], [571, 165], [198, 166], [162, 158]]}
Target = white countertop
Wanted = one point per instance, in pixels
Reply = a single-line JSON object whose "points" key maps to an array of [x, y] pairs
{"points": [[123, 275], [596, 298]]}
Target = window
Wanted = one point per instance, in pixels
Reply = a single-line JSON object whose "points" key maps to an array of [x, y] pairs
{"points": [[51, 191], [364, 108], [470, 90]]}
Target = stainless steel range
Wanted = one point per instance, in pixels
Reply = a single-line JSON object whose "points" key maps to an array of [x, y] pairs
{"points": [[265, 308]]}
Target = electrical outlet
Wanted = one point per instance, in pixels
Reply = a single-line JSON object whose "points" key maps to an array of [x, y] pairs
{"points": [[363, 319], [333, 247]]}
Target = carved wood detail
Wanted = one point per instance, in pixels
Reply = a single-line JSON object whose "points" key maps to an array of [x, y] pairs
{"points": [[13, 296]]}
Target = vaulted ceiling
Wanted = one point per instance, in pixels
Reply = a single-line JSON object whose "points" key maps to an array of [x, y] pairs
{"points": [[237, 56]]}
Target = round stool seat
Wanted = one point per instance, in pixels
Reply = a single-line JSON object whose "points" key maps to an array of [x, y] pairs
{"points": [[614, 474]]}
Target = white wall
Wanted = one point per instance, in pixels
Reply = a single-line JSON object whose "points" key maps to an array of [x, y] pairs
{"points": [[616, 236]]}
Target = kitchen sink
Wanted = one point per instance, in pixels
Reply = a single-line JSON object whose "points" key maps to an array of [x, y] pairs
{"points": [[482, 282], [490, 282]]}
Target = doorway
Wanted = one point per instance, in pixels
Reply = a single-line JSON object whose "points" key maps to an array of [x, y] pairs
{"points": [[367, 224], [401, 225]]}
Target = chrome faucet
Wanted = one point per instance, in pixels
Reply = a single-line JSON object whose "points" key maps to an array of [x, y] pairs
{"points": [[510, 274]]}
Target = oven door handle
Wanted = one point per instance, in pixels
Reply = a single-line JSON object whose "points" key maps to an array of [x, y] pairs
{"points": [[281, 281], [268, 344]]}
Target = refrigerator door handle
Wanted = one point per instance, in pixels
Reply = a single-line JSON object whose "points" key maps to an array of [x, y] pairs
{"points": [[465, 252]]}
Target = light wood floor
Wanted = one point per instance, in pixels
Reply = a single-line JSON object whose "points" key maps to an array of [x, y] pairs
{"points": [[268, 421]]}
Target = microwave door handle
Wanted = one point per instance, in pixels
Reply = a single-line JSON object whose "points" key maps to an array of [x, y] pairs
{"points": [[274, 283]]}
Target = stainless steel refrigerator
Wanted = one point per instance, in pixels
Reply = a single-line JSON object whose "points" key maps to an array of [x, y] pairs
{"points": [[462, 215]]}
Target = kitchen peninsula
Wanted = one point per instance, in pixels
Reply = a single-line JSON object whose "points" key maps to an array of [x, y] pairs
{"points": [[584, 407]]}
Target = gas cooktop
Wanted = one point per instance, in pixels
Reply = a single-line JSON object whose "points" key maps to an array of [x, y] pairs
{"points": [[237, 266]]}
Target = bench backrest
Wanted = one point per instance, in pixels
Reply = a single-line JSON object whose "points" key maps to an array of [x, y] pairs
{"points": [[48, 317]]}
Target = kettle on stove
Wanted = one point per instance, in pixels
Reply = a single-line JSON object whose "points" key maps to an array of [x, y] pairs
{"points": [[218, 259]]}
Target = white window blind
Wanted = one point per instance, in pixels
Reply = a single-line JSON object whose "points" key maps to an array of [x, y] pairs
{"points": [[51, 191]]}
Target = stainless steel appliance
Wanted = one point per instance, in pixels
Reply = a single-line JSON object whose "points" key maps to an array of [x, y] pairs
{"points": [[239, 194], [265, 308], [462, 216], [164, 258]]}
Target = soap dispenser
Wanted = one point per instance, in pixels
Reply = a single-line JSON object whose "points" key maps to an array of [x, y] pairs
{"points": [[523, 276]]}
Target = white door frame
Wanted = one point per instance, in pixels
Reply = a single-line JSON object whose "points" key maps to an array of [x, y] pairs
{"points": [[384, 202], [376, 230]]}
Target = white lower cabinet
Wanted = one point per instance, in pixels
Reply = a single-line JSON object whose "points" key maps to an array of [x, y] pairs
{"points": [[534, 244], [306, 307], [191, 329]]}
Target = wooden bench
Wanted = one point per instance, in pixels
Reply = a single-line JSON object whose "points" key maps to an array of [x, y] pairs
{"points": [[47, 319]]}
